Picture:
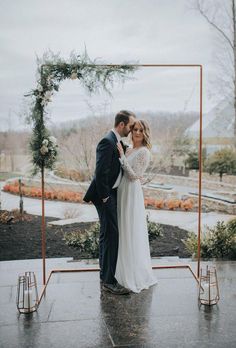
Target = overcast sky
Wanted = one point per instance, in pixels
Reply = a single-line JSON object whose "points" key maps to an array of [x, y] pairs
{"points": [[117, 31]]}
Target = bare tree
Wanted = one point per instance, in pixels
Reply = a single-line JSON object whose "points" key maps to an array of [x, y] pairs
{"points": [[220, 15], [173, 150], [78, 148]]}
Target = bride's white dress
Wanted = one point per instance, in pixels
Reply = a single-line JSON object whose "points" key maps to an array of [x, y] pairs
{"points": [[133, 269]]}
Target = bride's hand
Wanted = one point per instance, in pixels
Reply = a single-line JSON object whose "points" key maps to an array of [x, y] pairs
{"points": [[120, 149]]}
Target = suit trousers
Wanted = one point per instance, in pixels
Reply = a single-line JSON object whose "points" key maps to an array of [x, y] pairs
{"points": [[109, 238]]}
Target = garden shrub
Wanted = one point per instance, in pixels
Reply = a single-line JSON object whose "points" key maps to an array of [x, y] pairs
{"points": [[154, 229], [87, 241], [218, 242]]}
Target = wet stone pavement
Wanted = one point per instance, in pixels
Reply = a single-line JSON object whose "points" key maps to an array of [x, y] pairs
{"points": [[75, 313]]}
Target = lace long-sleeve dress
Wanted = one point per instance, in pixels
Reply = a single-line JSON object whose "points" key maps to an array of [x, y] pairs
{"points": [[133, 269]]}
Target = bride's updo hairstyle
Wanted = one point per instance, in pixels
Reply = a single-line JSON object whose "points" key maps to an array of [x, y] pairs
{"points": [[146, 133]]}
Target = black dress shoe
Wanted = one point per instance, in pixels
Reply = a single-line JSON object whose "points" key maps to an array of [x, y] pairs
{"points": [[116, 289], [122, 287]]}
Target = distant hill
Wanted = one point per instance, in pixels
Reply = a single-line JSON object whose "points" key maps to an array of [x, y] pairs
{"points": [[160, 121], [163, 122]]}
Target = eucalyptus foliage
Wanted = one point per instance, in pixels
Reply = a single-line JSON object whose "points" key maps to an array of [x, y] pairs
{"points": [[52, 69]]}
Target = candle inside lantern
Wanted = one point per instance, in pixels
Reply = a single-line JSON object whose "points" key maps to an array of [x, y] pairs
{"points": [[206, 289], [28, 300], [209, 292]]}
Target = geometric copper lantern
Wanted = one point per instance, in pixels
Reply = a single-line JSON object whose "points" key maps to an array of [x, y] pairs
{"points": [[27, 299], [208, 287]]}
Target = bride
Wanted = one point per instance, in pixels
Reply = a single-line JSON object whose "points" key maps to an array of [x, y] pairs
{"points": [[134, 269]]}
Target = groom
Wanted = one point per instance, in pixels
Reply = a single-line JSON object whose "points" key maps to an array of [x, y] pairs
{"points": [[103, 193]]}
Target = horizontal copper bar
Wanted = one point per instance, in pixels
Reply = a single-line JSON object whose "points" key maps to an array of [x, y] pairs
{"points": [[98, 269]]}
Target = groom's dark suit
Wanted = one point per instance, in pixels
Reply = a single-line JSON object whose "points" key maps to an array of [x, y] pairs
{"points": [[106, 173]]}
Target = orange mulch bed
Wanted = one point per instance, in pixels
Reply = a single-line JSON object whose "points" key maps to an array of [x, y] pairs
{"points": [[35, 192], [77, 197]]}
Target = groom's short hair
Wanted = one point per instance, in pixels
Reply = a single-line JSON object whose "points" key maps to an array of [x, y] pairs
{"points": [[123, 116]]}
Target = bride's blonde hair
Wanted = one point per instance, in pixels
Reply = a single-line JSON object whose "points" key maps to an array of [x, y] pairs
{"points": [[146, 133]]}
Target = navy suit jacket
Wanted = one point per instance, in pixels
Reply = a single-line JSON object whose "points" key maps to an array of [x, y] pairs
{"points": [[107, 170]]}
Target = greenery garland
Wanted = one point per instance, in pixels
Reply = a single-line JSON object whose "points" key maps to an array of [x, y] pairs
{"points": [[52, 69]]}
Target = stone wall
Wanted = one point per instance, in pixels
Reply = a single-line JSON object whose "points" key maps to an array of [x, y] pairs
{"points": [[227, 179], [63, 186], [193, 182]]}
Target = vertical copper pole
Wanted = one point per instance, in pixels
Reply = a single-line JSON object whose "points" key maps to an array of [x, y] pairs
{"points": [[43, 228], [43, 237], [200, 180], [21, 199]]}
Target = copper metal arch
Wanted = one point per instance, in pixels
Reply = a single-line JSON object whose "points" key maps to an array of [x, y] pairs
{"points": [[198, 66]]}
